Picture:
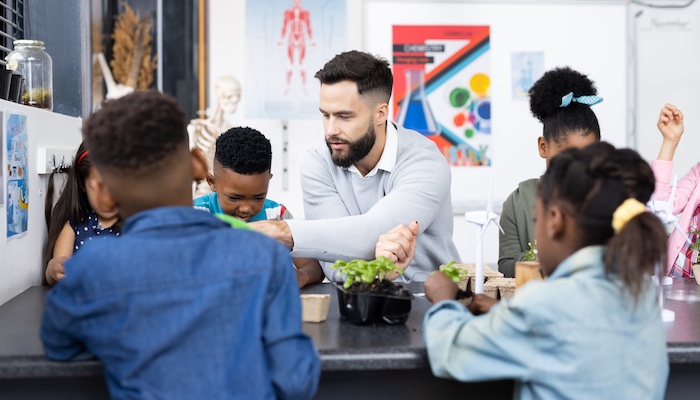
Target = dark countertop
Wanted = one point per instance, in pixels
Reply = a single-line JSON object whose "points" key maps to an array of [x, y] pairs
{"points": [[342, 346]]}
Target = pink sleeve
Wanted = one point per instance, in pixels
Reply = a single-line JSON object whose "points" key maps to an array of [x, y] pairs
{"points": [[664, 181]]}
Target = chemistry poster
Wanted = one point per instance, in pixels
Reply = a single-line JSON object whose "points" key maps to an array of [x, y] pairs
{"points": [[17, 200], [287, 42], [442, 83]]}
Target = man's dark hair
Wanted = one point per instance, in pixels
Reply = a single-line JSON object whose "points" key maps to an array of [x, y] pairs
{"points": [[371, 74], [135, 133], [244, 150]]}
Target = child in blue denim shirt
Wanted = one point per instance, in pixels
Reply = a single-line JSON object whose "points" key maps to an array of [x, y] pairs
{"points": [[239, 184], [593, 329], [181, 306]]}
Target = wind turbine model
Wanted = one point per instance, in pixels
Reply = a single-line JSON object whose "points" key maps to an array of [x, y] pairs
{"points": [[664, 210], [481, 219]]}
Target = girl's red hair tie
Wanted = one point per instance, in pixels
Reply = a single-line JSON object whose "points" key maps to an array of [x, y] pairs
{"points": [[81, 158]]}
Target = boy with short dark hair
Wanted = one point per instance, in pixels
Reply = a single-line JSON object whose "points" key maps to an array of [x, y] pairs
{"points": [[239, 184], [181, 305]]}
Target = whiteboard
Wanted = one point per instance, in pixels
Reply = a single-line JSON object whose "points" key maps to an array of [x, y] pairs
{"points": [[667, 62], [565, 35]]}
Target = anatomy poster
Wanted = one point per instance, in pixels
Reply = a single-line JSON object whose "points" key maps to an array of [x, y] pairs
{"points": [[442, 83], [17, 199], [287, 42]]}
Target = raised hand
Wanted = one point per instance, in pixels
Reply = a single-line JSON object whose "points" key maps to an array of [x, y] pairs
{"points": [[671, 126]]}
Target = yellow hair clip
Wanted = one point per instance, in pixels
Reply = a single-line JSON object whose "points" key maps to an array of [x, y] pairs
{"points": [[629, 209]]}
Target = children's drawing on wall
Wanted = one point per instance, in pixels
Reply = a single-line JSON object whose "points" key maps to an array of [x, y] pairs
{"points": [[287, 42], [525, 69], [442, 80], [17, 201]]}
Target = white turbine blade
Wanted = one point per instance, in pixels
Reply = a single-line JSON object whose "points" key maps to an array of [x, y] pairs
{"points": [[499, 226], [481, 228], [687, 238]]}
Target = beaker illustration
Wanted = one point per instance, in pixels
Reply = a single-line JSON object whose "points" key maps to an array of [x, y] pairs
{"points": [[414, 111]]}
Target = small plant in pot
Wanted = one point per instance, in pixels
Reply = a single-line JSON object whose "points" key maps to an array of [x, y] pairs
{"points": [[528, 268], [367, 297], [457, 274]]}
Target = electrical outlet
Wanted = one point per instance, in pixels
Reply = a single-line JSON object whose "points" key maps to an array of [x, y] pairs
{"points": [[51, 159]]}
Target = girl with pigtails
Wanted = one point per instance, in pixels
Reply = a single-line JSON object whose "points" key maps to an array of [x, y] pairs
{"points": [[593, 329], [561, 100], [78, 217]]}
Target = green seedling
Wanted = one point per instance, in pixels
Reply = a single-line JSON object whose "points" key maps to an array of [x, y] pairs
{"points": [[531, 254], [454, 273], [365, 271]]}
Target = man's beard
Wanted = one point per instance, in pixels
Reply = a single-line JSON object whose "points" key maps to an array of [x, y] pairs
{"points": [[356, 151]]}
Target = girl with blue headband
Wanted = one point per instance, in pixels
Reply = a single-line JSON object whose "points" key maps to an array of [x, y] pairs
{"points": [[561, 99]]}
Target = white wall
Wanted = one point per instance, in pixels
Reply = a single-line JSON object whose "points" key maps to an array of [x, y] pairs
{"points": [[20, 259], [667, 61]]}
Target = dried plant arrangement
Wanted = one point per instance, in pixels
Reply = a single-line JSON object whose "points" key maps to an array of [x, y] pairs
{"points": [[132, 64]]}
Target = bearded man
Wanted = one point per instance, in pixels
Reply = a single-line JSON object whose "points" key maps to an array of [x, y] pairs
{"points": [[373, 176]]}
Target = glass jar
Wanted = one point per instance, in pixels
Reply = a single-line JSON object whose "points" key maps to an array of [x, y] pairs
{"points": [[34, 64]]}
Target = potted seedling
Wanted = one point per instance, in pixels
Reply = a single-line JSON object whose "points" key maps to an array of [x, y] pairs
{"points": [[457, 275], [529, 268], [695, 248], [366, 296]]}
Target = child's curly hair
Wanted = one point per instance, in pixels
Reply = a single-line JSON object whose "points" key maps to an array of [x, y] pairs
{"points": [[545, 104], [244, 150]]}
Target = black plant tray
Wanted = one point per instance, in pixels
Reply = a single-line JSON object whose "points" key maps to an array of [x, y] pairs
{"points": [[373, 308]]}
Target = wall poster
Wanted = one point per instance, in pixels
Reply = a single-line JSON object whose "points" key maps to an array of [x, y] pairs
{"points": [[525, 69], [17, 200], [287, 42], [442, 85]]}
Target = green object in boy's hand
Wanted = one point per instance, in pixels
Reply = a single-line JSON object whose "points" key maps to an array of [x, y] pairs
{"points": [[233, 221]]}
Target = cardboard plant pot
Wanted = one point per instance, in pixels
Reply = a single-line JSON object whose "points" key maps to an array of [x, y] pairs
{"points": [[364, 307], [526, 271], [696, 272], [314, 307]]}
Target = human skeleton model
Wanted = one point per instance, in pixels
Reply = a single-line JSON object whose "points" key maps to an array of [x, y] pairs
{"points": [[204, 132], [297, 22]]}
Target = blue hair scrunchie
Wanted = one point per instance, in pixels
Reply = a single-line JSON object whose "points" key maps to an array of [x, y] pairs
{"points": [[587, 100]]}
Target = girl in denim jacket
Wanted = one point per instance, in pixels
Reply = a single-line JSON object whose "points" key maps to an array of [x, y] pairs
{"points": [[592, 329], [78, 216]]}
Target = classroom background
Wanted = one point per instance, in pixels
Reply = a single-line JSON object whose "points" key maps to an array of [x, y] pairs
{"points": [[640, 55]]}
